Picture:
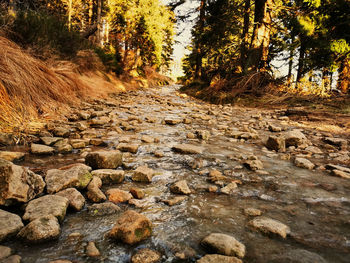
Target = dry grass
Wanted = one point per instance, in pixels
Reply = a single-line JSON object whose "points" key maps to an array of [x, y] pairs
{"points": [[156, 79], [31, 88]]}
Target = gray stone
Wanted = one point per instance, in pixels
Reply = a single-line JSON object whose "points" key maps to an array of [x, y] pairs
{"points": [[268, 225], [187, 149], [41, 230], [77, 176], [104, 159], [109, 176], [93, 190], [46, 205], [294, 138], [102, 209], [76, 199], [180, 187], [303, 163], [10, 224], [214, 258], [12, 156], [143, 174], [224, 244], [40, 149], [18, 184], [276, 143]]}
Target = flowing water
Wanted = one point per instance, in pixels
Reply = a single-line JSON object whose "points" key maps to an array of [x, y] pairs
{"points": [[313, 204]]}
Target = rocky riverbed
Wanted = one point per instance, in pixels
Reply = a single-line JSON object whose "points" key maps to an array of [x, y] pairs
{"points": [[155, 176]]}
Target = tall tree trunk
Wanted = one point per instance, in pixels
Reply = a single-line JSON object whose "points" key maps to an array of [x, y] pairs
{"points": [[198, 70], [259, 47], [302, 51], [291, 58], [99, 22], [70, 11], [91, 11], [344, 76], [245, 35]]}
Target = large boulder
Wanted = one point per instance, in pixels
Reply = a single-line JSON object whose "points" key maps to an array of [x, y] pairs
{"points": [[76, 199], [104, 159], [224, 244], [10, 224], [40, 230], [214, 258], [77, 176], [46, 205], [131, 228], [18, 184], [294, 138], [270, 226], [109, 176]]}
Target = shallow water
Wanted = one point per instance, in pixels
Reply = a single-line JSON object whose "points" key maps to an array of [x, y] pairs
{"points": [[313, 204]]}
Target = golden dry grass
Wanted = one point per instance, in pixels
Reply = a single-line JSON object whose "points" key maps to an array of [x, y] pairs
{"points": [[30, 88]]}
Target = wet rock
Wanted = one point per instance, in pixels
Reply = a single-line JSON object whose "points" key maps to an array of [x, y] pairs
{"points": [[174, 201], [91, 250], [190, 135], [337, 167], [224, 244], [84, 115], [145, 255], [147, 139], [294, 138], [40, 230], [46, 205], [214, 258], [275, 143], [12, 156], [252, 211], [61, 132], [143, 174], [341, 174], [77, 176], [159, 154], [187, 149], [6, 139], [137, 193], [10, 224], [274, 128], [180, 187], [12, 259], [5, 252], [100, 121], [268, 225], [18, 184], [94, 193], [103, 209], [303, 163], [254, 165], [297, 256], [118, 196], [215, 176], [104, 159], [203, 135], [40, 149], [228, 189], [213, 189], [63, 146], [131, 228], [172, 121], [78, 143], [338, 142], [49, 141], [127, 147], [75, 198], [109, 176], [313, 150]]}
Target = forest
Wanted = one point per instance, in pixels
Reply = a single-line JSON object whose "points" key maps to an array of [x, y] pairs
{"points": [[175, 131]]}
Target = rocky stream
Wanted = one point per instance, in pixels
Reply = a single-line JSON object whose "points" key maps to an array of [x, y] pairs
{"points": [[155, 176]]}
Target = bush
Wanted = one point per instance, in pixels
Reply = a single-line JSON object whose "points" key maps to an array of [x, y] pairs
{"points": [[111, 59]]}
